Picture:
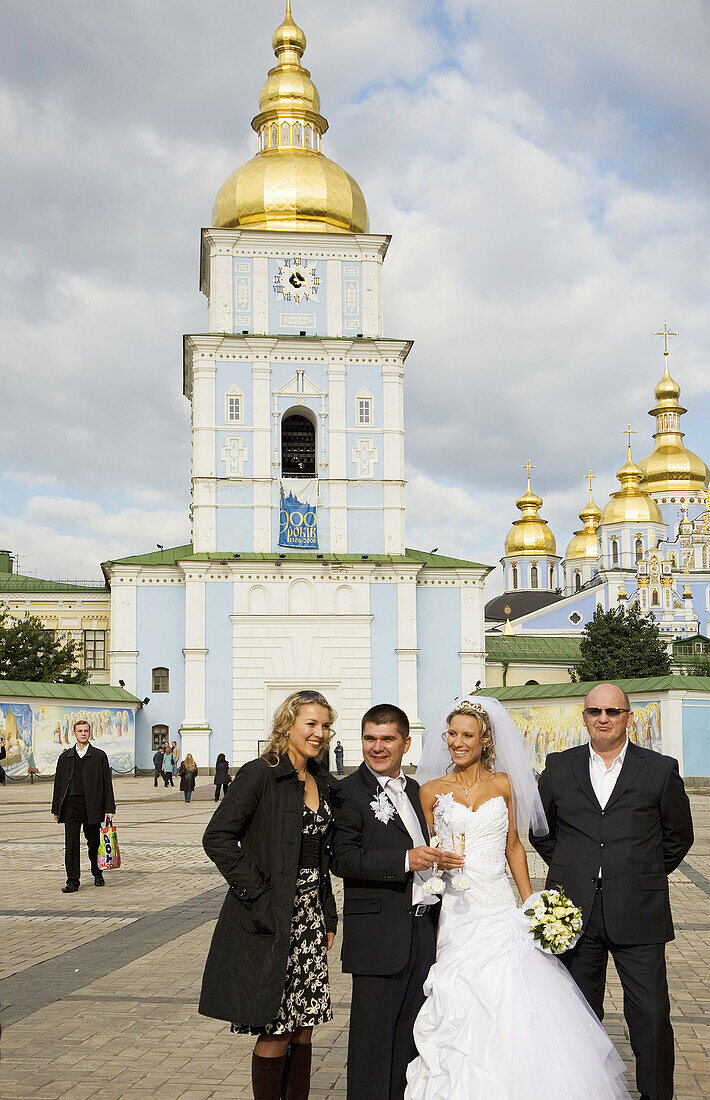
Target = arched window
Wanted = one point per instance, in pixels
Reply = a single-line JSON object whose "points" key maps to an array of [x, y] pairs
{"points": [[639, 549], [298, 446], [285, 134], [161, 735], [515, 576], [297, 134], [577, 580], [531, 683], [552, 576], [274, 136], [161, 680], [307, 136], [534, 582], [672, 559], [614, 552]]}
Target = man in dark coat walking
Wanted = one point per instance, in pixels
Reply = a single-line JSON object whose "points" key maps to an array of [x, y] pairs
{"points": [[158, 766], [83, 798], [389, 923], [619, 823]]}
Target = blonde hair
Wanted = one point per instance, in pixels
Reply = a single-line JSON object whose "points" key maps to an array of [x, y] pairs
{"points": [[285, 716], [475, 710], [189, 763]]}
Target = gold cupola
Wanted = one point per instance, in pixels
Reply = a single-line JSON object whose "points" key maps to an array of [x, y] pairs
{"points": [[671, 467], [585, 543], [289, 184], [630, 504], [530, 534]]}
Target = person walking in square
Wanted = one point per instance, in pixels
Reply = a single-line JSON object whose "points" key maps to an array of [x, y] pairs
{"points": [[176, 759], [188, 774], [619, 823], [222, 778], [267, 968], [168, 766], [339, 753], [83, 797], [157, 765]]}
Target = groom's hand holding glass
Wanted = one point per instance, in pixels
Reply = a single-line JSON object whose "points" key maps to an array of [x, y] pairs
{"points": [[424, 858]]}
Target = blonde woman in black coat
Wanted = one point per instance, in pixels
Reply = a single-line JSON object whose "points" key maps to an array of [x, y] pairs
{"points": [[267, 970]]}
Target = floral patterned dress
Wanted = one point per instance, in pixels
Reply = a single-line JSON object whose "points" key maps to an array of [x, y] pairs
{"points": [[306, 996]]}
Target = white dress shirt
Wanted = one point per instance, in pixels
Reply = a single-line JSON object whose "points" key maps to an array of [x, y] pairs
{"points": [[604, 778], [81, 752], [395, 787]]}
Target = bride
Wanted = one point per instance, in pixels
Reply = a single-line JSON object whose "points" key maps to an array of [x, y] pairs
{"points": [[502, 1020]]}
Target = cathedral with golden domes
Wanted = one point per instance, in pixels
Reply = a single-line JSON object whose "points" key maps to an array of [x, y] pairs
{"points": [[650, 543]]}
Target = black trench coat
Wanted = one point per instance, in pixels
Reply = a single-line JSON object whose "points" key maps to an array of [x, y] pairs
{"points": [[254, 838]]}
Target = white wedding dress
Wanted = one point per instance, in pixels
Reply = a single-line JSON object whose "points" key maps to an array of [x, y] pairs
{"points": [[502, 1020]]}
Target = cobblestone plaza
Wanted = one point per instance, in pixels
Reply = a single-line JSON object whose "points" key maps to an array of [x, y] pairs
{"points": [[99, 989]]}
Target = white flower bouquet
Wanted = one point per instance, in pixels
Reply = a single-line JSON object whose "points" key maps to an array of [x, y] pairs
{"points": [[555, 921]]}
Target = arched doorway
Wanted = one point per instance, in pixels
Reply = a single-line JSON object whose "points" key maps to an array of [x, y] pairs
{"points": [[298, 446]]}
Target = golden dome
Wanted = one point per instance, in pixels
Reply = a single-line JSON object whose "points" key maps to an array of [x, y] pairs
{"points": [[630, 504], [585, 543], [671, 467], [530, 534], [289, 184]]}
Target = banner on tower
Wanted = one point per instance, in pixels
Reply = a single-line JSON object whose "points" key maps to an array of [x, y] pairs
{"points": [[298, 527]]}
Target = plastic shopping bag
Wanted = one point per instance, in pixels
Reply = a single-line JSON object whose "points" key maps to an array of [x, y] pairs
{"points": [[109, 853]]}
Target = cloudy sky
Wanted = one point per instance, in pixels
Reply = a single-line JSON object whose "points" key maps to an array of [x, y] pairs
{"points": [[541, 165]]}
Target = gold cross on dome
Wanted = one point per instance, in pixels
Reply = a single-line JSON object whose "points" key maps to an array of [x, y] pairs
{"points": [[528, 466], [629, 431], [665, 334], [590, 477]]}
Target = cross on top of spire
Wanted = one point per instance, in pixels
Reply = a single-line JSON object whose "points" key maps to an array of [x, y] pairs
{"points": [[590, 477], [629, 431], [665, 334]]}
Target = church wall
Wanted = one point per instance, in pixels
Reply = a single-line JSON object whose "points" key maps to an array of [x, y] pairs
{"points": [[383, 605], [557, 617], [365, 519], [160, 637], [696, 737], [439, 642], [290, 318], [235, 517], [219, 605]]}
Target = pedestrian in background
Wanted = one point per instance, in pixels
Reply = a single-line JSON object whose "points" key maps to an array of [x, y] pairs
{"points": [[188, 772], [157, 765], [83, 798], [267, 970], [168, 766], [176, 758], [222, 778], [339, 753]]}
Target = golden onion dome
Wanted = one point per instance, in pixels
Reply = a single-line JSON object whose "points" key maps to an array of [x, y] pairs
{"points": [[630, 504], [671, 467], [585, 543], [530, 534], [289, 184]]}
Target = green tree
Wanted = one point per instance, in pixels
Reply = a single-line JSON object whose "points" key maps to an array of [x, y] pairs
{"points": [[29, 651], [697, 665], [620, 644]]}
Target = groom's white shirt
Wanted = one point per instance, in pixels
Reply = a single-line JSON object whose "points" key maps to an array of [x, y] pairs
{"points": [[411, 823], [603, 778]]}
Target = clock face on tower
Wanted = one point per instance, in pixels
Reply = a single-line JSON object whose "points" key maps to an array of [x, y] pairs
{"points": [[297, 280]]}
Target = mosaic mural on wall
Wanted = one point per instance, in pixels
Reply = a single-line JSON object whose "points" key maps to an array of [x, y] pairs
{"points": [[36, 733], [555, 728]]}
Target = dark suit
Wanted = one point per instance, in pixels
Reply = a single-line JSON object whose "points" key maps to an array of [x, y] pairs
{"points": [[385, 947], [86, 807], [637, 839]]}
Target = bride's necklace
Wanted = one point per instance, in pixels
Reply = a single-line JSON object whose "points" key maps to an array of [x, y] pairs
{"points": [[465, 788]]}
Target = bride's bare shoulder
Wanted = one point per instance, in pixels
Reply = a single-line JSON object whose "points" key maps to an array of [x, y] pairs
{"points": [[434, 788]]}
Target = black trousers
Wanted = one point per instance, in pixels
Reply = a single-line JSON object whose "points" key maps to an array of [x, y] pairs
{"points": [[642, 972], [381, 1044], [75, 817], [220, 788]]}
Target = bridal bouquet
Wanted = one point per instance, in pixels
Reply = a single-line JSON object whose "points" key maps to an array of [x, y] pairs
{"points": [[555, 921]]}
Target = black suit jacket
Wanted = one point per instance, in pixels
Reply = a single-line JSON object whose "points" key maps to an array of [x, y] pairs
{"points": [[369, 856], [98, 788], [640, 836]]}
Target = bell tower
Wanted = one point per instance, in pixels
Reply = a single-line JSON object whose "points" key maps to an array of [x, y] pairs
{"points": [[297, 398]]}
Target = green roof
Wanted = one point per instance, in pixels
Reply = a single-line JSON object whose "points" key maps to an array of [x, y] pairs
{"points": [[410, 557], [15, 582], [91, 693], [641, 686], [531, 649]]}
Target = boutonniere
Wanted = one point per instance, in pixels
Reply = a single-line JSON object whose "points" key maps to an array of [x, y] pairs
{"points": [[382, 807]]}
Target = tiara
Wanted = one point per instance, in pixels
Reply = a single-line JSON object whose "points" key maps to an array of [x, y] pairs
{"points": [[467, 707]]}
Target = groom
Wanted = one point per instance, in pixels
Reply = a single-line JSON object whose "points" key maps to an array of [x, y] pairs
{"points": [[389, 923], [619, 823]]}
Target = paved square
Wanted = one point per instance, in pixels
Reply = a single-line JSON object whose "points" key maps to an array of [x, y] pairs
{"points": [[99, 988]]}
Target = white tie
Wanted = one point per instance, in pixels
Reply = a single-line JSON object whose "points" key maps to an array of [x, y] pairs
{"points": [[395, 788]]}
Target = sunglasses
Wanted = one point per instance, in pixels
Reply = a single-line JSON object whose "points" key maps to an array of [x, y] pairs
{"points": [[611, 712]]}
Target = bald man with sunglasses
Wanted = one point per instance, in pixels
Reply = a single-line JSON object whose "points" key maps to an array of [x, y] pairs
{"points": [[619, 823]]}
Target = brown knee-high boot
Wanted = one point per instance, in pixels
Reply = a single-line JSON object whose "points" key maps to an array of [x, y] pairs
{"points": [[266, 1077], [297, 1079]]}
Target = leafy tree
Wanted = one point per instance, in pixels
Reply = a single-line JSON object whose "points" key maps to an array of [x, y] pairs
{"points": [[29, 651], [697, 665], [620, 644]]}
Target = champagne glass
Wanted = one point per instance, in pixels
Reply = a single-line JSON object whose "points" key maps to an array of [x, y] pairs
{"points": [[435, 885], [458, 842]]}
